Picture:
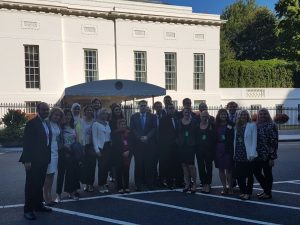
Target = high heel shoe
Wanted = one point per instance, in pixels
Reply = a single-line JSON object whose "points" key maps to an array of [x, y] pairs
{"points": [[186, 189], [193, 189]]}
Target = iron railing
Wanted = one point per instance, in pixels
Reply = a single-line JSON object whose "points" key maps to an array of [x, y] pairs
{"points": [[128, 110]]}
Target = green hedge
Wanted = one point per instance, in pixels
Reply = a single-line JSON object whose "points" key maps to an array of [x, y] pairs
{"points": [[259, 74]]}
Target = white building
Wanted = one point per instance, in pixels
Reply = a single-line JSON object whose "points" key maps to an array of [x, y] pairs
{"points": [[48, 45]]}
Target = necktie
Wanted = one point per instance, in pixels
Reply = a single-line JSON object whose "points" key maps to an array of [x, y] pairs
{"points": [[143, 120], [173, 123]]}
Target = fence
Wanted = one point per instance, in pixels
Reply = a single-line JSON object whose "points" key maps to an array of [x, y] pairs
{"points": [[293, 113]]}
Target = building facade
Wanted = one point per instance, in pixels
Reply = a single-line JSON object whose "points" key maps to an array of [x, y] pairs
{"points": [[48, 45]]}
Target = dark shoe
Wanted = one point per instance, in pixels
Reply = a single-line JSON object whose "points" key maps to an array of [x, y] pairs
{"points": [[186, 189], [121, 191], [43, 209], [29, 216], [265, 196], [245, 197], [260, 194], [50, 204]]}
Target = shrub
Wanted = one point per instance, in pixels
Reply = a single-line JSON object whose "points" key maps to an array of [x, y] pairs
{"points": [[259, 74], [12, 134], [281, 118]]}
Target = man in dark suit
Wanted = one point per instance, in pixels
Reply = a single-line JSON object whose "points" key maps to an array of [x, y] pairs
{"points": [[232, 111], [36, 156], [142, 126], [168, 164], [159, 114], [186, 103]]}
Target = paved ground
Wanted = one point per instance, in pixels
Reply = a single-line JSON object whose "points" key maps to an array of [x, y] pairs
{"points": [[161, 206]]}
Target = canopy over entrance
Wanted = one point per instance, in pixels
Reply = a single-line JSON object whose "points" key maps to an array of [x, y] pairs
{"points": [[110, 91]]}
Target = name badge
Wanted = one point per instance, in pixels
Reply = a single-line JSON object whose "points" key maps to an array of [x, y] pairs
{"points": [[125, 142], [203, 137], [186, 134], [223, 137]]}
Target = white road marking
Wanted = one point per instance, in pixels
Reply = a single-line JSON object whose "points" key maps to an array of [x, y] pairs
{"points": [[249, 201], [282, 192], [89, 216], [11, 206], [193, 210], [92, 198], [294, 182]]}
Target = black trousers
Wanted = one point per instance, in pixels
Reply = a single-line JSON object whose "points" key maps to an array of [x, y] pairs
{"points": [[104, 164], [167, 163], [263, 174], [204, 162], [122, 176], [35, 178], [72, 177], [61, 171], [244, 173], [145, 165], [89, 166]]}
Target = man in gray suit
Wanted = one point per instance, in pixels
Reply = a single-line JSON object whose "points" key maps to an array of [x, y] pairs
{"points": [[143, 127]]}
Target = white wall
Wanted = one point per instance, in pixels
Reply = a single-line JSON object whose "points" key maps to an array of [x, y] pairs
{"points": [[13, 38]]}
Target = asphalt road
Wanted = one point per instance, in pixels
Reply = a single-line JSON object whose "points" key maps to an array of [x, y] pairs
{"points": [[161, 206]]}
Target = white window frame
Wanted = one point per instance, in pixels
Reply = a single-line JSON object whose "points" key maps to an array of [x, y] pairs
{"points": [[140, 69], [171, 71], [32, 67], [91, 74], [199, 71]]}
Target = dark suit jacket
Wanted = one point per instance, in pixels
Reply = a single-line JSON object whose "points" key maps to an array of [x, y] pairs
{"points": [[167, 132], [35, 149], [137, 129]]}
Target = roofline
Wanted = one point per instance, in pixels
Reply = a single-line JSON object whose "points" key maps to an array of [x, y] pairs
{"points": [[193, 19]]}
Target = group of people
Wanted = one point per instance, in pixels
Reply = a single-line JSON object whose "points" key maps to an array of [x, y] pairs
{"points": [[73, 142]]}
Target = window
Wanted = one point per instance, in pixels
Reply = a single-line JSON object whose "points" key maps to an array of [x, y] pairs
{"points": [[171, 71], [199, 71], [175, 103], [91, 64], [32, 66], [31, 107], [198, 102], [279, 109], [140, 66]]}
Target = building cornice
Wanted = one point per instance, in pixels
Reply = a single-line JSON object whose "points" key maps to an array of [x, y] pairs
{"points": [[67, 10]]}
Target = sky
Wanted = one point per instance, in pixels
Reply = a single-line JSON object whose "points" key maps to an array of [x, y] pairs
{"points": [[215, 6]]}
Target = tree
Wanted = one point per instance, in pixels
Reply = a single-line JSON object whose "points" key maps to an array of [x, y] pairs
{"points": [[288, 12], [249, 31], [258, 40]]}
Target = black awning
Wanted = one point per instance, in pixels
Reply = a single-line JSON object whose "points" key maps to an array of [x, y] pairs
{"points": [[111, 91]]}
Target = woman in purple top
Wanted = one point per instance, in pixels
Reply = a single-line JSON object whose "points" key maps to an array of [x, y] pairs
{"points": [[224, 150]]}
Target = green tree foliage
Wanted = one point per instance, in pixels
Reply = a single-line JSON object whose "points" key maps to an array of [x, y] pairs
{"points": [[260, 74], [249, 32], [12, 134], [288, 12]]}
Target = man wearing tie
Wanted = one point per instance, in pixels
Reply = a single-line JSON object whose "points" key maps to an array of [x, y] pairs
{"points": [[36, 156], [232, 111], [169, 164], [159, 114], [143, 126]]}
